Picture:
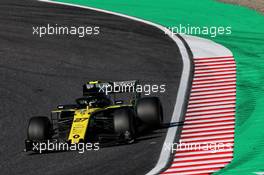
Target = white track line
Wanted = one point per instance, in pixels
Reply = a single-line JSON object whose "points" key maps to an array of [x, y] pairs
{"points": [[214, 67], [209, 120], [212, 104], [214, 70], [200, 82], [206, 142], [210, 108], [204, 157], [210, 116], [218, 84], [213, 60], [212, 96], [208, 133], [208, 129], [213, 88], [197, 167], [214, 77], [218, 57], [175, 165], [214, 73], [207, 101], [207, 138], [199, 64], [213, 92], [206, 125], [211, 74], [210, 112], [193, 172]]}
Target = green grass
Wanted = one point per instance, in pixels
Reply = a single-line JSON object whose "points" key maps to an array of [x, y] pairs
{"points": [[247, 44]]}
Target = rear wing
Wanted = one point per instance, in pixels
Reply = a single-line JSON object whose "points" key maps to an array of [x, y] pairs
{"points": [[97, 87]]}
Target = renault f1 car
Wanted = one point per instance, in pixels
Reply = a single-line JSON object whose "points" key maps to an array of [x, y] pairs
{"points": [[108, 111]]}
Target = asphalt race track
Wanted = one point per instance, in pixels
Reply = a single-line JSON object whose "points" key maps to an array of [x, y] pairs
{"points": [[37, 74]]}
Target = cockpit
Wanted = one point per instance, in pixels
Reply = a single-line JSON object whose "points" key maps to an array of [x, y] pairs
{"points": [[95, 101]]}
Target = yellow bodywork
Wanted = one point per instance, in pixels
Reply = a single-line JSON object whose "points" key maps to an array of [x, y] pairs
{"points": [[80, 124], [81, 121]]}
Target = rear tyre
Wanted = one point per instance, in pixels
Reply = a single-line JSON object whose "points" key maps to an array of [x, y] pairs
{"points": [[124, 124], [149, 111], [39, 129]]}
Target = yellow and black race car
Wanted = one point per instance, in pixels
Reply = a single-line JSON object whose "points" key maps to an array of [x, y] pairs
{"points": [[107, 112]]}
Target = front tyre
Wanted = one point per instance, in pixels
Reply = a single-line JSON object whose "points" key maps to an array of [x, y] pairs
{"points": [[124, 124], [39, 129]]}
